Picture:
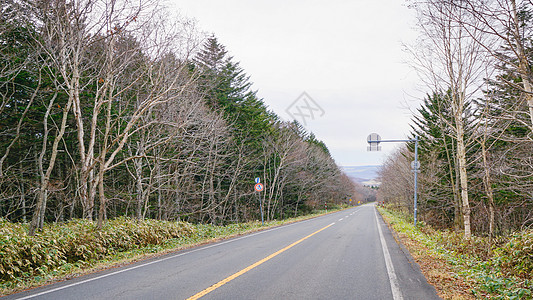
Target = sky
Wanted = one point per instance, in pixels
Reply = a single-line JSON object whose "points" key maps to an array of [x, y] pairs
{"points": [[335, 66]]}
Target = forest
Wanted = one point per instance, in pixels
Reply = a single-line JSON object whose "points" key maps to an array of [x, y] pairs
{"points": [[475, 124], [113, 108]]}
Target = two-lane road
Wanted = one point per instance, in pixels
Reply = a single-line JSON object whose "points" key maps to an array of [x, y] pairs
{"points": [[345, 255]]}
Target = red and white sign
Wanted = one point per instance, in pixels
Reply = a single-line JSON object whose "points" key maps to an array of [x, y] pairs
{"points": [[258, 187]]}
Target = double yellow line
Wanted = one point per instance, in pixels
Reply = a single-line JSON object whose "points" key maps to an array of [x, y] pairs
{"points": [[230, 278]]}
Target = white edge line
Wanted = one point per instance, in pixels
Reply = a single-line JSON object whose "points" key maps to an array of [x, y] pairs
{"points": [[158, 260], [395, 287]]}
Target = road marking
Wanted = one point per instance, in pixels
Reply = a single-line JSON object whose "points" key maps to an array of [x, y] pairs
{"points": [[230, 278], [341, 219], [156, 261], [395, 287]]}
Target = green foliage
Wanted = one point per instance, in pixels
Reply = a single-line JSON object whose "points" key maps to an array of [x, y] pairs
{"points": [[475, 247], [320, 144], [515, 258], [65, 248], [22, 255], [199, 135], [501, 268], [435, 124], [227, 88]]}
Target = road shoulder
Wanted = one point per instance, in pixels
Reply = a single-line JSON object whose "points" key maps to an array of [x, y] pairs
{"points": [[437, 273], [411, 276]]}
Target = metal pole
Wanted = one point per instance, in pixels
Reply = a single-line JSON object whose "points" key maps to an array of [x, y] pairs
{"points": [[261, 207], [416, 176], [375, 138]]}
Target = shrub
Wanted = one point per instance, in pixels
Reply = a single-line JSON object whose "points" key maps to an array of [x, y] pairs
{"points": [[77, 241], [476, 247], [515, 258]]}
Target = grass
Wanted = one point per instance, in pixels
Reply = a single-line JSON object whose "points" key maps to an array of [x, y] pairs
{"points": [[75, 248], [474, 268]]}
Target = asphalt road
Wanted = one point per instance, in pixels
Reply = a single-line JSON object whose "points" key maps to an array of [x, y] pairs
{"points": [[345, 255]]}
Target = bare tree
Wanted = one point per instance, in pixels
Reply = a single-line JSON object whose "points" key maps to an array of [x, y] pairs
{"points": [[279, 153], [451, 60], [397, 181], [506, 25]]}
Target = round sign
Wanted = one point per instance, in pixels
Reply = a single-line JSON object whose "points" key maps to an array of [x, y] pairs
{"points": [[415, 165], [258, 187], [257, 180]]}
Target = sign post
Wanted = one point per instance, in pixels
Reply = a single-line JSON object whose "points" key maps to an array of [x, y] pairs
{"points": [[374, 139], [259, 188]]}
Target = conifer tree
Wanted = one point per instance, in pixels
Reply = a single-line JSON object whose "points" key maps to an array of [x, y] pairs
{"points": [[434, 125], [438, 157]]}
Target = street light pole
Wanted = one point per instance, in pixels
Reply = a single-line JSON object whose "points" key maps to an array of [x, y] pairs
{"points": [[374, 139]]}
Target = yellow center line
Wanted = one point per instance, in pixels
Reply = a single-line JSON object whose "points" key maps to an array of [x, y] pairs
{"points": [[230, 278]]}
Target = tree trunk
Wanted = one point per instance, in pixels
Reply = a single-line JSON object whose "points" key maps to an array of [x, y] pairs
{"points": [[101, 194], [523, 62], [452, 164], [463, 177], [138, 164], [488, 189], [38, 215]]}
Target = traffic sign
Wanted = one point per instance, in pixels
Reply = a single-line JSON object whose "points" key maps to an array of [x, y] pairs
{"points": [[373, 140], [258, 187], [415, 166], [257, 180]]}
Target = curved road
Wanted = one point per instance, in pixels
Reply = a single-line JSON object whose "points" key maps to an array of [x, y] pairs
{"points": [[344, 255]]}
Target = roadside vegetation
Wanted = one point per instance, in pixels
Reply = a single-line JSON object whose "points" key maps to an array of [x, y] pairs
{"points": [[64, 250], [135, 112], [126, 130], [468, 268], [475, 133]]}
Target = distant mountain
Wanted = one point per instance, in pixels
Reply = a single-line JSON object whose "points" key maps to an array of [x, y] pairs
{"points": [[366, 175]]}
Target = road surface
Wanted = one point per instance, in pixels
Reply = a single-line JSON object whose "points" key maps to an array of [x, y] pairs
{"points": [[344, 255]]}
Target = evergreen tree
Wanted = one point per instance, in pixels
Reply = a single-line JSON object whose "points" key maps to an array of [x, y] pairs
{"points": [[226, 87], [508, 142], [434, 125], [212, 56]]}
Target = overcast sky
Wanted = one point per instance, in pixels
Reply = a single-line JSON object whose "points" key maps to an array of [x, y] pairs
{"points": [[345, 54]]}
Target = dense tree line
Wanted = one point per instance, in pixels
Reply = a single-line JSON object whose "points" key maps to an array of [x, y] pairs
{"points": [[476, 124], [113, 107]]}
